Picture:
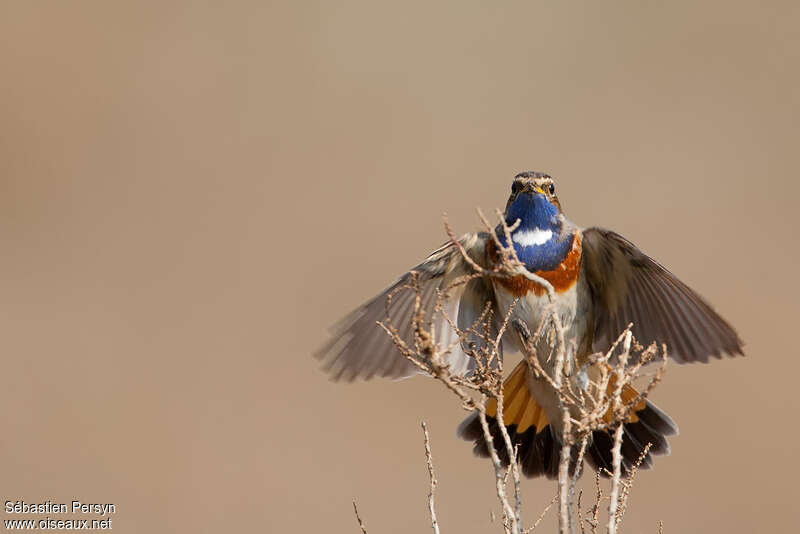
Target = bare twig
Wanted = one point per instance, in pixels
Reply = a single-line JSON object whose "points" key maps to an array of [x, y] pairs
{"points": [[432, 476], [512, 455], [628, 484], [508, 512], [358, 518], [616, 456], [595, 521], [541, 516], [616, 450]]}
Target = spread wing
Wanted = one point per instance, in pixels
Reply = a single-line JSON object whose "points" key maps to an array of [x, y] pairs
{"points": [[359, 348], [628, 286]]}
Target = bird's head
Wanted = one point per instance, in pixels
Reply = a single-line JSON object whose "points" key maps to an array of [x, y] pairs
{"points": [[525, 189], [543, 236]]}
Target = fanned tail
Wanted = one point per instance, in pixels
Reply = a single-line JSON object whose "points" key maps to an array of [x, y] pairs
{"points": [[538, 447]]}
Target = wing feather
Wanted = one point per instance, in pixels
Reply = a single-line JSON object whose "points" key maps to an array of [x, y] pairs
{"points": [[629, 286], [359, 349]]}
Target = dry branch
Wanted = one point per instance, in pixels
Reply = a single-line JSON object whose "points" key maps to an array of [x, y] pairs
{"points": [[358, 518], [432, 476]]}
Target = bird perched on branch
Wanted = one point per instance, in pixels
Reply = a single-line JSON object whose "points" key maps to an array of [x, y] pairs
{"points": [[601, 283]]}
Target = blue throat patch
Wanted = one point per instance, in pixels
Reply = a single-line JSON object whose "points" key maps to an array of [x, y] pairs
{"points": [[537, 217]]}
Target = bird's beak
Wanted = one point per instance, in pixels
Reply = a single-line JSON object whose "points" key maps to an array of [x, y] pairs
{"points": [[534, 189]]}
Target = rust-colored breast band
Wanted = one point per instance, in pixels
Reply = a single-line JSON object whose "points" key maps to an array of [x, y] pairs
{"points": [[562, 277]]}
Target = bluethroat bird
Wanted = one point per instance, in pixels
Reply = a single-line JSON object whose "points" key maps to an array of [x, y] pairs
{"points": [[602, 282]]}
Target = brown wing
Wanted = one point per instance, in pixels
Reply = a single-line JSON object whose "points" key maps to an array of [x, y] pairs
{"points": [[359, 348], [628, 286]]}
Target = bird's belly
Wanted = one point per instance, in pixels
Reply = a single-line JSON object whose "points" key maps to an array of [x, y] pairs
{"points": [[532, 310]]}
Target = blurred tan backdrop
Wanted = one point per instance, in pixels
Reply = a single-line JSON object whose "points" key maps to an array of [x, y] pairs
{"points": [[190, 194]]}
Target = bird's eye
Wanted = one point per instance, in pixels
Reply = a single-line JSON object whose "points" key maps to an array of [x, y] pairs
{"points": [[552, 189], [514, 187]]}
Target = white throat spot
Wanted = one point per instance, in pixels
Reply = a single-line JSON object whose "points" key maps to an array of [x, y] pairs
{"points": [[532, 238]]}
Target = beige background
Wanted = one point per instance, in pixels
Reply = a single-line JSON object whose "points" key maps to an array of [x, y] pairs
{"points": [[190, 194]]}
